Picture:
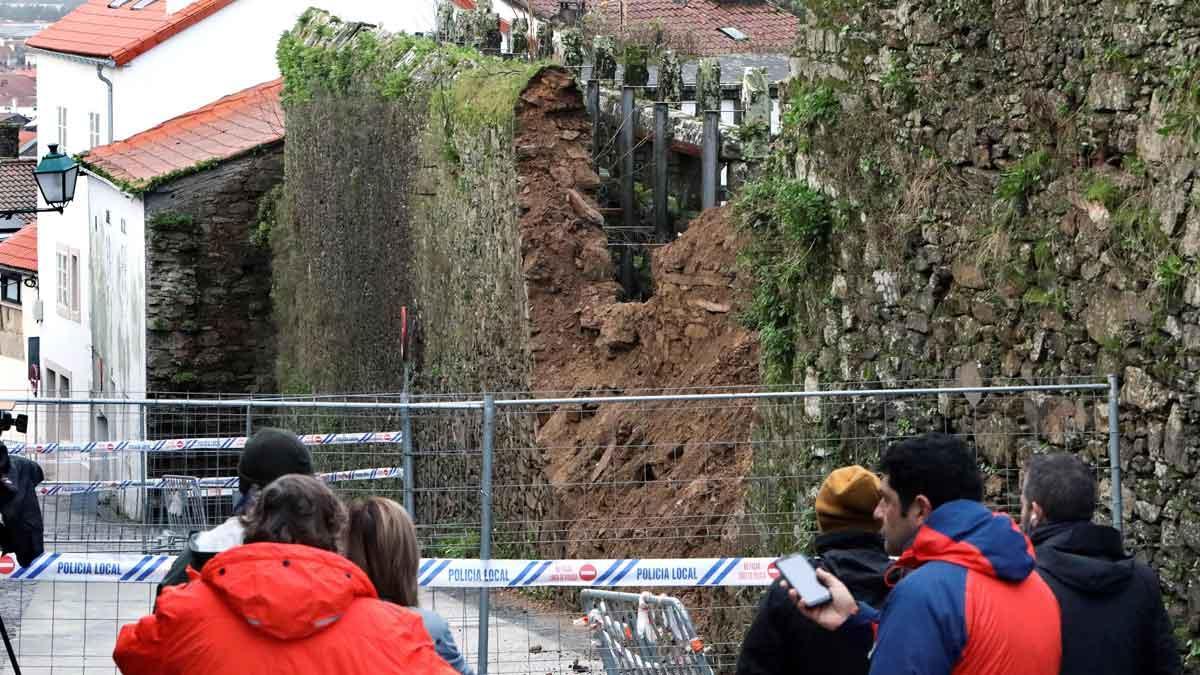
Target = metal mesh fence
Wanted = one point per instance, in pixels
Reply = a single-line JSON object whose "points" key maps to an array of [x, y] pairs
{"points": [[573, 477]]}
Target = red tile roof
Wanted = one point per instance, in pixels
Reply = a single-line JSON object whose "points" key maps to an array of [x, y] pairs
{"points": [[222, 130], [20, 86], [19, 251], [18, 187], [769, 28], [122, 34]]}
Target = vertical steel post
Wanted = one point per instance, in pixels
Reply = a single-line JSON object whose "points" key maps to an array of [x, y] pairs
{"points": [[249, 420], [407, 445], [1114, 450], [593, 105], [628, 203], [662, 224], [485, 533], [709, 169]]}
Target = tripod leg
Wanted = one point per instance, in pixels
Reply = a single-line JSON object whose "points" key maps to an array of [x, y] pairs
{"points": [[12, 656]]}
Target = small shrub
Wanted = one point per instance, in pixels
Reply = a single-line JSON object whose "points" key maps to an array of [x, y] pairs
{"points": [[1103, 190], [1018, 181], [811, 105]]}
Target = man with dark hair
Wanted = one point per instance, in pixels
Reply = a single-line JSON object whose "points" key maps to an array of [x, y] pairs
{"points": [[1112, 611], [269, 454], [971, 602], [781, 640]]}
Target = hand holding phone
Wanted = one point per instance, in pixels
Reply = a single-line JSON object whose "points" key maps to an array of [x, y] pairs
{"points": [[800, 575]]}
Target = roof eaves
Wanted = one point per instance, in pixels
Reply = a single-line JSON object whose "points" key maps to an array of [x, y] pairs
{"points": [[79, 58]]}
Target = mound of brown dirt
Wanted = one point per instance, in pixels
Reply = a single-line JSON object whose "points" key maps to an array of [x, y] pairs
{"points": [[642, 480]]}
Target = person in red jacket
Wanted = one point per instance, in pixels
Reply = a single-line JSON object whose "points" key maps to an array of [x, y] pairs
{"points": [[971, 602], [285, 602]]}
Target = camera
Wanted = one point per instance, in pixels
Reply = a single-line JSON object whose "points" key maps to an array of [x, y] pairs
{"points": [[8, 421]]}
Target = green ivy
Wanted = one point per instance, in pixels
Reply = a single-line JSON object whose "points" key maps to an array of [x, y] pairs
{"points": [[789, 222]]}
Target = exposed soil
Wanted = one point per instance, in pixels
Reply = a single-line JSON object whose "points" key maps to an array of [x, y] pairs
{"points": [[636, 480]]}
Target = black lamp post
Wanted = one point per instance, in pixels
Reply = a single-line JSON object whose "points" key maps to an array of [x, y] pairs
{"points": [[56, 175]]}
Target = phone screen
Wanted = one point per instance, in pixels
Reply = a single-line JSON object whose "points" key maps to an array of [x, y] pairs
{"points": [[801, 576]]}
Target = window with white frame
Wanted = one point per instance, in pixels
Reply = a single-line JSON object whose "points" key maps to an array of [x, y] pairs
{"points": [[68, 293], [94, 129], [62, 128]]}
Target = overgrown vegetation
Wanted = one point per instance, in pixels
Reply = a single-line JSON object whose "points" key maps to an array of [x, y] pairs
{"points": [[791, 224], [1183, 103], [1017, 182]]}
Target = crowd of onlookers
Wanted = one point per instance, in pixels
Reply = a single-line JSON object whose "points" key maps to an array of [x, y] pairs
{"points": [[968, 591], [924, 580]]}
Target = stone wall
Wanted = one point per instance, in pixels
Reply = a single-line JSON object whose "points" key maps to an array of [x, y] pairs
{"points": [[208, 289], [400, 192], [1024, 184]]}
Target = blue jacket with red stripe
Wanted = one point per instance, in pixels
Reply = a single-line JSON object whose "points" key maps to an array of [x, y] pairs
{"points": [[972, 603]]}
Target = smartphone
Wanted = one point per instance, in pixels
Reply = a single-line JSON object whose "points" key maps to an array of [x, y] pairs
{"points": [[801, 576]]}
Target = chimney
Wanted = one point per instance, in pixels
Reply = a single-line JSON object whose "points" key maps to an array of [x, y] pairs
{"points": [[10, 140]]}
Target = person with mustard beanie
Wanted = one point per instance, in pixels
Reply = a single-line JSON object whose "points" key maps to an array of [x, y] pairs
{"points": [[781, 639]]}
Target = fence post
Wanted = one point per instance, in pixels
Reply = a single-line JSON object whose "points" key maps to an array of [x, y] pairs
{"points": [[627, 123], [661, 216], [407, 445], [485, 532], [709, 172], [249, 419], [1114, 450]]}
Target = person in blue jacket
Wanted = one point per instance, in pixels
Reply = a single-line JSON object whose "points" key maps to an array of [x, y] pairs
{"points": [[383, 542], [971, 602]]}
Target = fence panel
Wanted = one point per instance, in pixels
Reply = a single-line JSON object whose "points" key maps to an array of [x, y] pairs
{"points": [[688, 494]]}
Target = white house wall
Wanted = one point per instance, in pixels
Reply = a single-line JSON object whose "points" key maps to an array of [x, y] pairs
{"points": [[66, 342], [74, 85]]}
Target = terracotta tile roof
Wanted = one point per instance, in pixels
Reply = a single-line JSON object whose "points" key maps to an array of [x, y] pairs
{"points": [[769, 28], [227, 128], [18, 188], [122, 34], [20, 250], [19, 86]]}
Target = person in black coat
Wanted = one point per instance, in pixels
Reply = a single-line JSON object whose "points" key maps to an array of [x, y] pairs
{"points": [[1113, 619], [21, 530], [781, 640]]}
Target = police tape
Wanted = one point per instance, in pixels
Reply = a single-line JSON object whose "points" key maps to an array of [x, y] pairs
{"points": [[441, 572], [208, 486], [184, 444]]}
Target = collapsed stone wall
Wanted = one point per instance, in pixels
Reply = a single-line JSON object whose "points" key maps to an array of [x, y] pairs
{"points": [[1022, 185]]}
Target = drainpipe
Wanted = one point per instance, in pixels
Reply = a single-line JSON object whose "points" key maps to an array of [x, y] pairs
{"points": [[109, 84]]}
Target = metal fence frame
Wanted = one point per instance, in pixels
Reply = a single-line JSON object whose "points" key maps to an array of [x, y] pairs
{"points": [[488, 405]]}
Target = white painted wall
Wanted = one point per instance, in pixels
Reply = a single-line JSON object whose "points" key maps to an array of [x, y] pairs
{"points": [[66, 342], [73, 85]]}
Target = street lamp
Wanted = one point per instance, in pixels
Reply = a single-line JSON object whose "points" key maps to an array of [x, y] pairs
{"points": [[56, 175]]}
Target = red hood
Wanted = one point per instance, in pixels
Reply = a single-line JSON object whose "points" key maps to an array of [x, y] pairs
{"points": [[285, 590]]}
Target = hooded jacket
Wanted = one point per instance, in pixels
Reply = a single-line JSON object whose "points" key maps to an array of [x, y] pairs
{"points": [[782, 640], [200, 548], [277, 608], [971, 603], [21, 532], [1113, 615]]}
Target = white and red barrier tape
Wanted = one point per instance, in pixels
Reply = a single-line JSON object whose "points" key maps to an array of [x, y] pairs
{"points": [[183, 444], [208, 486], [441, 572]]}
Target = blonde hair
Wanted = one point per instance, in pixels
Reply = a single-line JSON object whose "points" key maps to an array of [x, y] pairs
{"points": [[383, 542]]}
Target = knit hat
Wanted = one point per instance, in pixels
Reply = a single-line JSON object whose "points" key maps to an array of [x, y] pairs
{"points": [[269, 454], [847, 500]]}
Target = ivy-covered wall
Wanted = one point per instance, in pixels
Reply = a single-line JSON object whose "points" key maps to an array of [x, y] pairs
{"points": [[979, 190], [400, 192]]}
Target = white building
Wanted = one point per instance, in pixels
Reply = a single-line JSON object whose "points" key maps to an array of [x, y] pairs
{"points": [[106, 71]]}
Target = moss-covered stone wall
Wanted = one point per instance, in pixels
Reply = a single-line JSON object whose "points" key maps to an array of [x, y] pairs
{"points": [[400, 192], [999, 191]]}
